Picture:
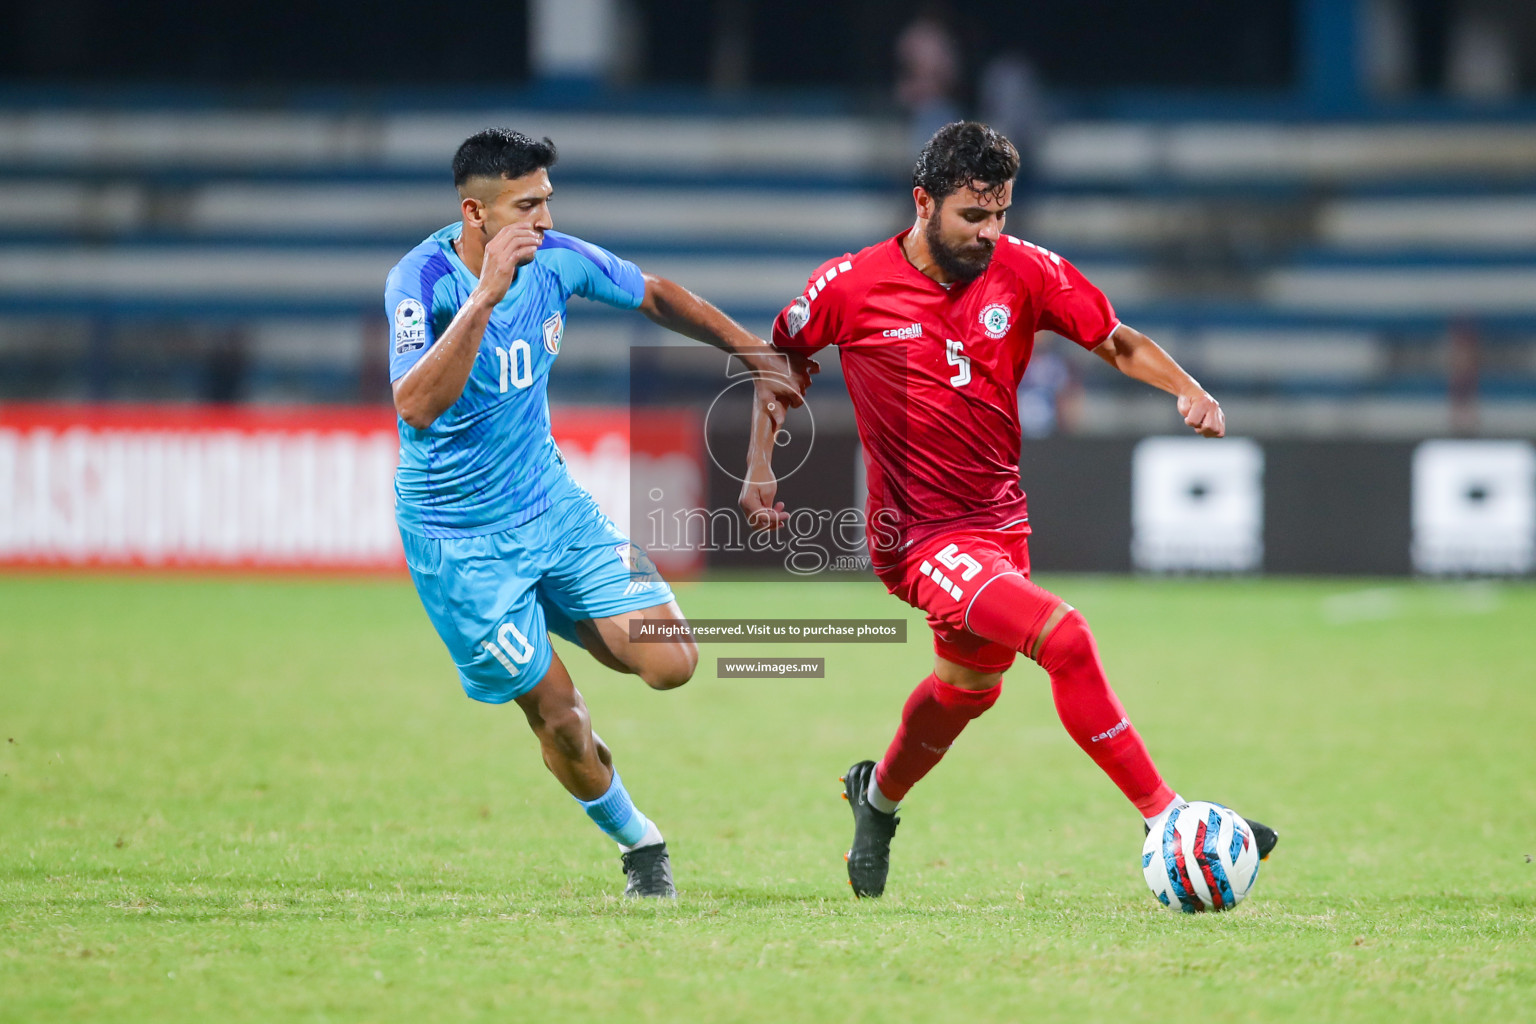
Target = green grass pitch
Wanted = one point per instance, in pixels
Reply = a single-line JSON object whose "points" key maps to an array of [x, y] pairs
{"points": [[259, 800]]}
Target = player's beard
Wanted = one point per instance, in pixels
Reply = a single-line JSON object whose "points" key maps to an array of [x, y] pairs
{"points": [[960, 262]]}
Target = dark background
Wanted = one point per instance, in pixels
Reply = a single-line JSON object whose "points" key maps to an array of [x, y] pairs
{"points": [[799, 43], [1330, 507]]}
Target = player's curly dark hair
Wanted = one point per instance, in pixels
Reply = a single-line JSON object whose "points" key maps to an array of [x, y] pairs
{"points": [[963, 153], [500, 153]]}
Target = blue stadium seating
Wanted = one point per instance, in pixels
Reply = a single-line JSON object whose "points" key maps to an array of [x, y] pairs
{"points": [[1311, 274]]}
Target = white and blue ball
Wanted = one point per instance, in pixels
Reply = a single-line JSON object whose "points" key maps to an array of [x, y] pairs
{"points": [[1200, 856]]}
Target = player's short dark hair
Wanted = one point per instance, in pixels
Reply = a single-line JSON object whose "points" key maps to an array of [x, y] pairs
{"points": [[963, 152], [500, 153]]}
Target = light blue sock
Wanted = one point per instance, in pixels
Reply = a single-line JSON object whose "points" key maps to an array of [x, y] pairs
{"points": [[616, 815]]}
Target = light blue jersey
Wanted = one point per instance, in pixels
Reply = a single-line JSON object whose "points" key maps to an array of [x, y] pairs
{"points": [[488, 463], [503, 545]]}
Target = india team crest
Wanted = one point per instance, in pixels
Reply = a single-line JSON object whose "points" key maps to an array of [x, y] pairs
{"points": [[996, 320], [554, 330]]}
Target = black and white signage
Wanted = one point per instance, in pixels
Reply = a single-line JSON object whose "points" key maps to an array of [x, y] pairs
{"points": [[1197, 505], [1474, 507]]}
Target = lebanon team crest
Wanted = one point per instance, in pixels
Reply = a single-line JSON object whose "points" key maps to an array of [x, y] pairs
{"points": [[995, 320]]}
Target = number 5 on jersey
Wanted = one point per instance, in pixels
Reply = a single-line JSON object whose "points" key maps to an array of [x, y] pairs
{"points": [[957, 357]]}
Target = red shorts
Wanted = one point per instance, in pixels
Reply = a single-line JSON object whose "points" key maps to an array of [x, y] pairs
{"points": [[942, 576]]}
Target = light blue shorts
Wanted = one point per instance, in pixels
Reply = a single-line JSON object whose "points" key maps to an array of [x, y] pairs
{"points": [[495, 598]]}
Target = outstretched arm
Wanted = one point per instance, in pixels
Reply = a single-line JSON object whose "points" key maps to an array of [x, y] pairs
{"points": [[760, 487], [679, 310], [1136, 355]]}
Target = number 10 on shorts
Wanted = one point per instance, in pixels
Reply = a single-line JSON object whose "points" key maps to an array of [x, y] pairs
{"points": [[510, 647]]}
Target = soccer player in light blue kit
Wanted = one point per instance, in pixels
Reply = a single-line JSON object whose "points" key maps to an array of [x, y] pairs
{"points": [[503, 546]]}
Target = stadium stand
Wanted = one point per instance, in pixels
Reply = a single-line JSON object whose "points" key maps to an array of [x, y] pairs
{"points": [[1322, 278]]}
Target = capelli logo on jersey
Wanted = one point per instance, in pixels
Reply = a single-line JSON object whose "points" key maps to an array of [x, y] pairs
{"points": [[910, 331]]}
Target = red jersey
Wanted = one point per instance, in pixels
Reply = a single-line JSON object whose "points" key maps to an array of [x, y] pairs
{"points": [[934, 375]]}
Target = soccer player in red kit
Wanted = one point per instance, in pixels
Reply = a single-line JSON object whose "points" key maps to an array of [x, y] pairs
{"points": [[935, 328]]}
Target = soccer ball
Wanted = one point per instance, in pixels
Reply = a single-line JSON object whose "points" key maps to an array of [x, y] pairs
{"points": [[1201, 856]]}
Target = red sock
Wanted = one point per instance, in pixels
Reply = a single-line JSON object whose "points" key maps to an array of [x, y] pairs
{"points": [[934, 716], [1012, 611], [1094, 716]]}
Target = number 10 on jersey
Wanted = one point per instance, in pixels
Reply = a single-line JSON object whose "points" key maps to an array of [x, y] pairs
{"points": [[516, 365]]}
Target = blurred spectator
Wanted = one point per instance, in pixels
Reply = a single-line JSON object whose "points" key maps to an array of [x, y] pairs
{"points": [[1471, 49], [1050, 393], [1463, 369], [224, 373], [928, 74], [730, 58], [1481, 59], [1388, 49], [1011, 100], [373, 364]]}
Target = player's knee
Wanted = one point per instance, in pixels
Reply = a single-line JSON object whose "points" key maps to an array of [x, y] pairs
{"points": [[670, 667], [958, 677], [970, 701], [1070, 642], [568, 730]]}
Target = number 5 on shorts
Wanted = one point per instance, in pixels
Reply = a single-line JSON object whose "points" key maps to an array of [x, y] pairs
{"points": [[952, 558]]}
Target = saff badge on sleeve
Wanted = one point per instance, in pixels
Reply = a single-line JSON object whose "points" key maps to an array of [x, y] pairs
{"points": [[410, 326]]}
